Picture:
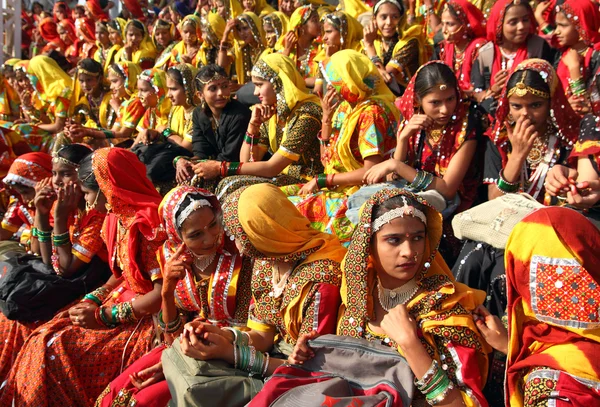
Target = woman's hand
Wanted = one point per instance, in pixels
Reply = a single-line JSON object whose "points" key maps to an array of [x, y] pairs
{"points": [[491, 328], [400, 326], [206, 345], [184, 171], [521, 137], [207, 169], [302, 352], [370, 33], [147, 377], [378, 172], [499, 81], [559, 178], [67, 200], [289, 43], [262, 113], [147, 136], [416, 123], [83, 315], [44, 196], [77, 132], [229, 27], [584, 194], [540, 10], [175, 269], [309, 188], [330, 101]]}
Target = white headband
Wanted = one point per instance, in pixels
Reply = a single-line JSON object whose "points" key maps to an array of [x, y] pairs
{"points": [[400, 212], [195, 205]]}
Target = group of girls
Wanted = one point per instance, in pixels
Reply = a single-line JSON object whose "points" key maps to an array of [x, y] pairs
{"points": [[255, 178]]}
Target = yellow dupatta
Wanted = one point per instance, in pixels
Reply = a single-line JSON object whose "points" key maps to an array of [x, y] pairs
{"points": [[49, 79], [157, 78], [128, 71], [180, 49], [177, 117], [258, 33], [359, 82], [280, 23], [213, 27], [146, 51], [288, 85], [269, 226], [351, 32], [111, 55], [353, 8]]}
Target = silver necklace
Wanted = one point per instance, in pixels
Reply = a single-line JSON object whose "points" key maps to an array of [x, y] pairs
{"points": [[202, 262], [401, 295]]}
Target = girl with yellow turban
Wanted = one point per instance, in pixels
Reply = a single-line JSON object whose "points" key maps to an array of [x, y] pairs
{"points": [[357, 134], [116, 34], [286, 124], [275, 26], [138, 47], [186, 50], [164, 40], [300, 42]]}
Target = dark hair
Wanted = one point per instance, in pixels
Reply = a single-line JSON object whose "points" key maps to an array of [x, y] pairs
{"points": [[79, 8], [431, 76], [114, 24], [160, 23], [393, 203], [86, 173], [175, 74], [206, 74], [116, 68], [195, 197], [452, 11], [74, 152], [137, 24], [532, 79], [91, 65]]}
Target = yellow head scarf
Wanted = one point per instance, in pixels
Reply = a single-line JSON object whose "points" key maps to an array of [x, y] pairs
{"points": [[300, 16], [11, 62], [359, 82], [146, 51], [443, 304], [351, 30], [213, 27], [353, 8], [258, 33], [112, 52], [129, 72], [280, 23], [235, 8], [288, 85], [49, 79]]}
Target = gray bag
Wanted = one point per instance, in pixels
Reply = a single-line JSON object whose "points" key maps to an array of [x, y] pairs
{"points": [[212, 383]]}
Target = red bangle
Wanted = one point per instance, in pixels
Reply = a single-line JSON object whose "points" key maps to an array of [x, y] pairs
{"points": [[223, 169], [239, 168], [97, 317], [329, 180]]}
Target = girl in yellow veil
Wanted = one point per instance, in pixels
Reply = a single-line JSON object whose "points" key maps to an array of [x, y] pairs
{"points": [[186, 50], [355, 135], [164, 39], [213, 27], [286, 124], [275, 25], [45, 98], [300, 42], [340, 31], [116, 34], [152, 90], [138, 47], [395, 47], [120, 110]]}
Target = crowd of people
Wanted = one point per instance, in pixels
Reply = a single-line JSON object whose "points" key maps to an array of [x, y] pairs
{"points": [[198, 191]]}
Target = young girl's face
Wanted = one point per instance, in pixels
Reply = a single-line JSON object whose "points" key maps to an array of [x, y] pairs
{"points": [[387, 19]]}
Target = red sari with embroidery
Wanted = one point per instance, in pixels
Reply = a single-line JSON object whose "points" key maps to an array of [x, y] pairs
{"points": [[223, 299], [62, 364]]}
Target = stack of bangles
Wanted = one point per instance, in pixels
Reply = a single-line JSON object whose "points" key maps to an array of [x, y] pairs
{"points": [[228, 169], [547, 29], [422, 181], [325, 180], [246, 357], [577, 86], [224, 46], [435, 384], [108, 133], [48, 237], [251, 139], [119, 314], [506, 187], [171, 327]]}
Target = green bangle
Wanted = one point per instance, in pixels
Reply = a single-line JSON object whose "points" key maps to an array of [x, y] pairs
{"points": [[505, 186], [322, 181], [232, 169], [548, 29], [108, 134], [113, 313], [93, 298], [166, 133], [34, 232], [176, 159]]}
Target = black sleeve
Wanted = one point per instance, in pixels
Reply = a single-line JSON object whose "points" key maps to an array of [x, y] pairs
{"points": [[233, 133], [200, 145], [550, 54], [477, 79], [492, 163], [436, 53]]}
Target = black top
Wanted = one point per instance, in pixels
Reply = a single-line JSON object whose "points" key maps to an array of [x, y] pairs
{"points": [[225, 143]]}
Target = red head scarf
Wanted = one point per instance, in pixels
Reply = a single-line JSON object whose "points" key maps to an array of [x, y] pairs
{"points": [[495, 25], [96, 9], [29, 169], [48, 31], [584, 15], [56, 7], [135, 9], [134, 201], [69, 27], [87, 28], [553, 296], [473, 26]]}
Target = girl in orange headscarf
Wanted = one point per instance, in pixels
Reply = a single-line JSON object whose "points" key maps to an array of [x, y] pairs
{"points": [[112, 326], [48, 30], [86, 34], [66, 30]]}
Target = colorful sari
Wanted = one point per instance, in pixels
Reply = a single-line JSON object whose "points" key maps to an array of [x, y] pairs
{"points": [[269, 228], [72, 51], [473, 26], [563, 132], [585, 17], [292, 132], [48, 30], [145, 56], [442, 308], [9, 103], [306, 63], [53, 88], [180, 121], [363, 125], [157, 116], [223, 298], [409, 50], [553, 298], [59, 352]]}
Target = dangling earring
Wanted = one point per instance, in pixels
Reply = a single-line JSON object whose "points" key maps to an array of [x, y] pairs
{"points": [[89, 207], [203, 104], [108, 207], [511, 119]]}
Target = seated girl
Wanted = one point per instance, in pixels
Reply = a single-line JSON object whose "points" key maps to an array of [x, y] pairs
{"points": [[286, 124], [197, 254], [138, 47]]}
